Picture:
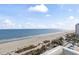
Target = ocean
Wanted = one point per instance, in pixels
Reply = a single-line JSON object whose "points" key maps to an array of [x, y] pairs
{"points": [[8, 34]]}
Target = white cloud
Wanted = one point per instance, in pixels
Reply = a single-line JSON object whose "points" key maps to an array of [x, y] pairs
{"points": [[34, 25], [48, 15], [6, 24], [58, 25], [68, 23], [19, 26], [71, 17], [39, 8], [69, 10], [72, 21]]}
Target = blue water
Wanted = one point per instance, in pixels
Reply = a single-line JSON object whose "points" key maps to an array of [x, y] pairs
{"points": [[8, 34]]}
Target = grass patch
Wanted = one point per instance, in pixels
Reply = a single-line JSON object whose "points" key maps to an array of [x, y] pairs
{"points": [[25, 48], [46, 41], [37, 51]]}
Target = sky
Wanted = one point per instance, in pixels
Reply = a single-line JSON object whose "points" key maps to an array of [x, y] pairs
{"points": [[39, 16]]}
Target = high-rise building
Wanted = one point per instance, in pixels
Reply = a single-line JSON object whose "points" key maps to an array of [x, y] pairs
{"points": [[77, 29]]}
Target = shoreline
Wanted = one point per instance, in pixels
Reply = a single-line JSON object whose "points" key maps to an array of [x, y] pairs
{"points": [[34, 40], [22, 38]]}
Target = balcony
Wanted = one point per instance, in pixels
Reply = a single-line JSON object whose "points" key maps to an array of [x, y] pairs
{"points": [[60, 50]]}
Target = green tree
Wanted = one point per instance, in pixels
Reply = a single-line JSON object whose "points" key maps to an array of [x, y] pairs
{"points": [[71, 38]]}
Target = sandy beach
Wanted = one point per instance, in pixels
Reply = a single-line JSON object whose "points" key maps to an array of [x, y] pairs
{"points": [[18, 44]]}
